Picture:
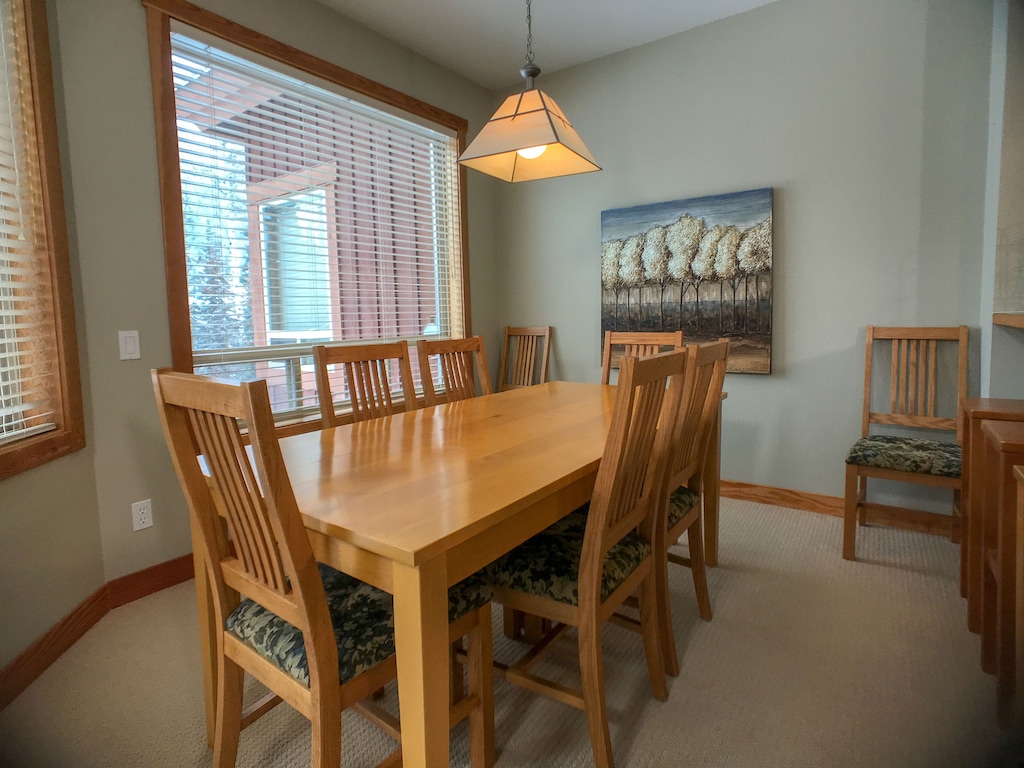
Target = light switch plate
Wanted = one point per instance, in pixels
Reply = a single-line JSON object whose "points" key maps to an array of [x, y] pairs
{"points": [[128, 342]]}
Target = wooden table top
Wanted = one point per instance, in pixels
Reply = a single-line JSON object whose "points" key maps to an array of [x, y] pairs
{"points": [[990, 407], [1007, 436], [410, 487]]}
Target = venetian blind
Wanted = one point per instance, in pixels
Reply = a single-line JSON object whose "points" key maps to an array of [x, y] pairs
{"points": [[29, 367], [310, 217]]}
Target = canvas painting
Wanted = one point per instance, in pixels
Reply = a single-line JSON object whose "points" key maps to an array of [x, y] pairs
{"points": [[701, 265]]}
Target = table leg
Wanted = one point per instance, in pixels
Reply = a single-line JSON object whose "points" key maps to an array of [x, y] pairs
{"points": [[1019, 589], [421, 642], [965, 502], [973, 500], [710, 484], [1006, 613]]}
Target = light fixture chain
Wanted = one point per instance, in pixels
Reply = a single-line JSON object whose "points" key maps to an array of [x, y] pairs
{"points": [[529, 34]]}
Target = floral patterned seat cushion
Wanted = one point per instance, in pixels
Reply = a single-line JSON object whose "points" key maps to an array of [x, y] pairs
{"points": [[548, 564], [907, 454], [680, 502], [363, 620]]}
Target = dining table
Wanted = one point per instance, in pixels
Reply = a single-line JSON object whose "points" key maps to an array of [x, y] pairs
{"points": [[414, 502]]}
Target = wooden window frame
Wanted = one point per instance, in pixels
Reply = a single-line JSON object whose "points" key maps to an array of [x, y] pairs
{"points": [[69, 434], [159, 16]]}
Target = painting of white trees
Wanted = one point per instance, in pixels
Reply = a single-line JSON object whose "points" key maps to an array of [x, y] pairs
{"points": [[701, 265]]}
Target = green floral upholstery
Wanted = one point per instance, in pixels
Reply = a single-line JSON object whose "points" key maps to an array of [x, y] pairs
{"points": [[468, 595], [548, 564], [907, 454], [363, 619], [680, 502]]}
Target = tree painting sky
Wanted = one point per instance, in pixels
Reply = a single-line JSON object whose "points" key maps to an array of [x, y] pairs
{"points": [[740, 209]]}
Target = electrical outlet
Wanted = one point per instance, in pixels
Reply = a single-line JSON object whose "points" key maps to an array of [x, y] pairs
{"points": [[142, 514]]}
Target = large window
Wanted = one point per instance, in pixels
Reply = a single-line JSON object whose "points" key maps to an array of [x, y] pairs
{"points": [[40, 395], [303, 205]]}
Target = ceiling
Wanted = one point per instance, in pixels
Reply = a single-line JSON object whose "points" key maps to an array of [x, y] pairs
{"points": [[485, 40]]}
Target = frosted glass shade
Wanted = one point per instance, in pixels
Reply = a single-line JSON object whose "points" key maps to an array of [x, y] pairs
{"points": [[528, 119]]}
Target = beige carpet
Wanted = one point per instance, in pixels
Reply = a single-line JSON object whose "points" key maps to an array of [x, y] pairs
{"points": [[809, 661]]}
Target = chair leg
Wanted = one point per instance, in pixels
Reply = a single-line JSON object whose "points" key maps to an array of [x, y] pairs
{"points": [[229, 714], [666, 632], [649, 590], [956, 534], [481, 685], [862, 496], [512, 621], [592, 674], [326, 729], [700, 575], [850, 514], [456, 689]]}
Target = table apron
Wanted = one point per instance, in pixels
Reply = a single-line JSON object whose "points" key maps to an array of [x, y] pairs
{"points": [[355, 561], [484, 548], [463, 559]]}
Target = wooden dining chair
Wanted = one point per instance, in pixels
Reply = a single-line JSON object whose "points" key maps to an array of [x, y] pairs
{"points": [[635, 344], [518, 366], [915, 387], [368, 372], [582, 568], [702, 394], [317, 638], [455, 366]]}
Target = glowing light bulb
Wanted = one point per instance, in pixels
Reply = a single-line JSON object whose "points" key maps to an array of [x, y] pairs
{"points": [[532, 153]]}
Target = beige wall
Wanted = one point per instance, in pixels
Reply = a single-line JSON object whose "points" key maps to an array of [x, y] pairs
{"points": [[869, 120], [65, 528]]}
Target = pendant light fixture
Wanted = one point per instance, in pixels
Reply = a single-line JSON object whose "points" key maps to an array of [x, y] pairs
{"points": [[529, 137]]}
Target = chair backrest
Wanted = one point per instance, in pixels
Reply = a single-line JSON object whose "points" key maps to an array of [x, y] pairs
{"points": [[915, 383], [630, 485], [368, 371], [702, 394], [268, 557], [638, 344], [518, 366], [455, 366]]}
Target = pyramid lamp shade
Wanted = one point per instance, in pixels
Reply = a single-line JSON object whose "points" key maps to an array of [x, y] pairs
{"points": [[529, 137]]}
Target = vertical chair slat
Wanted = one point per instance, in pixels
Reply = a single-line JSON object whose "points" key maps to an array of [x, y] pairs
{"points": [[904, 375], [518, 366], [638, 344], [922, 380], [912, 377], [530, 360], [525, 361], [230, 469], [250, 506], [366, 373], [205, 430], [894, 378], [456, 359], [933, 375]]}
